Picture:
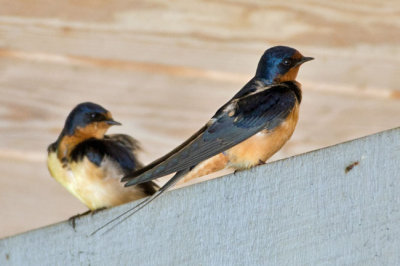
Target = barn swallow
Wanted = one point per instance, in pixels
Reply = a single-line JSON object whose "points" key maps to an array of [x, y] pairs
{"points": [[90, 164], [243, 133]]}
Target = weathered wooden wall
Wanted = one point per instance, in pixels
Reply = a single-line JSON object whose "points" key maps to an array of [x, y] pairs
{"points": [[163, 68], [306, 210]]}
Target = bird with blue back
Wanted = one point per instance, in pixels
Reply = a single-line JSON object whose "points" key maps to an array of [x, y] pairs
{"points": [[243, 133], [90, 164]]}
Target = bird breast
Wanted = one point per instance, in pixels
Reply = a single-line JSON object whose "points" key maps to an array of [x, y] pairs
{"points": [[260, 147]]}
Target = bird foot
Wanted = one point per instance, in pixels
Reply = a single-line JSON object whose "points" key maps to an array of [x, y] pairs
{"points": [[237, 171], [97, 210], [72, 220]]}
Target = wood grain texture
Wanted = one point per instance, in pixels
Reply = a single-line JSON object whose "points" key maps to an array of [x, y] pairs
{"points": [[164, 67], [305, 210]]}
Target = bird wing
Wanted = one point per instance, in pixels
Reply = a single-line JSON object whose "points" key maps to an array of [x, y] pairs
{"points": [[239, 119], [127, 143], [112, 147], [117, 151]]}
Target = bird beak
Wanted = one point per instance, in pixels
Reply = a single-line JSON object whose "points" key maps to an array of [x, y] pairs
{"points": [[304, 59], [112, 122]]}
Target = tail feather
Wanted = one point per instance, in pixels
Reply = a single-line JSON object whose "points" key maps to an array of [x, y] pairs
{"points": [[125, 215]]}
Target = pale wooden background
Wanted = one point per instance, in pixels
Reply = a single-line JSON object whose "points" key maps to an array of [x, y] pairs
{"points": [[163, 68]]}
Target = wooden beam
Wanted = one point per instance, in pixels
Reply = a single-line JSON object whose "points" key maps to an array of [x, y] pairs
{"points": [[338, 205]]}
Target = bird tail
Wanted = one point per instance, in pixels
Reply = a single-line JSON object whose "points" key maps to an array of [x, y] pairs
{"points": [[125, 215]]}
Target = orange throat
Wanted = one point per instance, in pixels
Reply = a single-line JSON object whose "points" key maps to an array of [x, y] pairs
{"points": [[288, 76], [68, 143]]}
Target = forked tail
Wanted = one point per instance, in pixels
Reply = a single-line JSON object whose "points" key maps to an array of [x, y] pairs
{"points": [[125, 215]]}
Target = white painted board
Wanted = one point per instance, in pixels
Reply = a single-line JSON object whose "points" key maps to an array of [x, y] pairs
{"points": [[304, 210]]}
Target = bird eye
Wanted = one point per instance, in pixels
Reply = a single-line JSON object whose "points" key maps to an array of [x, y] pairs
{"points": [[95, 116], [287, 62]]}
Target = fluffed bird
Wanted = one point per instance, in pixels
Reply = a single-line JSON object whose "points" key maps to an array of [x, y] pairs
{"points": [[243, 133], [90, 164]]}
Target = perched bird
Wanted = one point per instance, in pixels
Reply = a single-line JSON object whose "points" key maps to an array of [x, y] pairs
{"points": [[90, 164], [244, 132]]}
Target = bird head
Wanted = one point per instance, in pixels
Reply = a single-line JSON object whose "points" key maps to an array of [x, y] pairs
{"points": [[88, 120], [279, 64]]}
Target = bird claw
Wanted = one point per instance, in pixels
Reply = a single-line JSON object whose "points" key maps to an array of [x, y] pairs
{"points": [[72, 220], [237, 171], [97, 210]]}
